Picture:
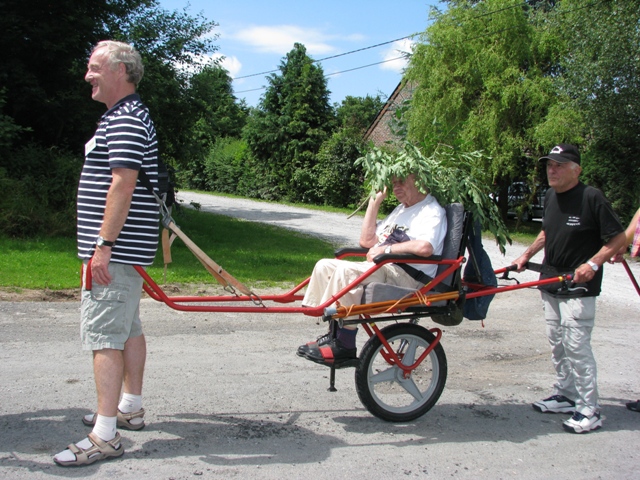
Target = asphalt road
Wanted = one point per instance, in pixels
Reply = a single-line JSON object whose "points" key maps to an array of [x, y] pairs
{"points": [[228, 398]]}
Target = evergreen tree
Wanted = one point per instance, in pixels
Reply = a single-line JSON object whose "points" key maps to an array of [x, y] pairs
{"points": [[290, 124]]}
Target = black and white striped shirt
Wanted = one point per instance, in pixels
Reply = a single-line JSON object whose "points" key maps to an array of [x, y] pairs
{"points": [[125, 138]]}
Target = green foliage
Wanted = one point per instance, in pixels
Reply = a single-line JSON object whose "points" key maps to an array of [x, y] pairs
{"points": [[211, 93], [41, 189], [482, 82], [43, 51], [358, 112], [214, 114], [225, 165], [338, 180], [9, 131], [44, 47], [449, 175], [601, 79], [170, 43]]}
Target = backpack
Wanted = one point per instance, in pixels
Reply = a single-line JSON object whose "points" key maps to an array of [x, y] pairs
{"points": [[479, 270]]}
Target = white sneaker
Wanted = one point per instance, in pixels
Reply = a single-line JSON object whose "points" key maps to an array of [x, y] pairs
{"points": [[578, 423], [555, 404]]}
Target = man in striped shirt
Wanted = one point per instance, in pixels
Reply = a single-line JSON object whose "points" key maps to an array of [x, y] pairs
{"points": [[118, 223]]}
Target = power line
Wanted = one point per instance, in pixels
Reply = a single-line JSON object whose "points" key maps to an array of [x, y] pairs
{"points": [[336, 56], [524, 4], [366, 66], [336, 73]]}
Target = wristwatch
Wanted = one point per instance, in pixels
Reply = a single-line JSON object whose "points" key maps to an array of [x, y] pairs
{"points": [[388, 249], [593, 265], [101, 242]]}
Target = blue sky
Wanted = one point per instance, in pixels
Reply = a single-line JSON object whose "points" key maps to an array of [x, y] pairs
{"points": [[255, 35]]}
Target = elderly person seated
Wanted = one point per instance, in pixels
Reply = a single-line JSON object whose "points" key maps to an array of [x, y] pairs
{"points": [[417, 226]]}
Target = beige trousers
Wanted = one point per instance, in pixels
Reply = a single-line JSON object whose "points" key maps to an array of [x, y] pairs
{"points": [[330, 276]]}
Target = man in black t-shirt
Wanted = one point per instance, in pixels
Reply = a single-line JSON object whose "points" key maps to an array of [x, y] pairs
{"points": [[580, 232]]}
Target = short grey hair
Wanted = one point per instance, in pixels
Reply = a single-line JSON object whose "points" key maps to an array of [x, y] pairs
{"points": [[120, 52]]}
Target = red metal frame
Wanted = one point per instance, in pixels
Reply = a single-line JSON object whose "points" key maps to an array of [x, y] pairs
{"points": [[392, 358], [237, 303], [426, 295]]}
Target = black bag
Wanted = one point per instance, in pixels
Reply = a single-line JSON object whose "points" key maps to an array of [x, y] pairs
{"points": [[166, 189]]}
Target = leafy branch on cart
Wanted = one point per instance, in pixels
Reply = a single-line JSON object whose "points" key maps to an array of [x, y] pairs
{"points": [[450, 176]]}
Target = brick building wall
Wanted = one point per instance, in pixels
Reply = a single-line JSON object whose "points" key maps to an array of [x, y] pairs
{"points": [[379, 132]]}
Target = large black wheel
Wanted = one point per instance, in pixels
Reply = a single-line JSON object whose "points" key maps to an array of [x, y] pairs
{"points": [[384, 389]]}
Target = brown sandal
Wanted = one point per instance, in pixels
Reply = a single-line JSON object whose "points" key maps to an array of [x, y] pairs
{"points": [[99, 450], [124, 420]]}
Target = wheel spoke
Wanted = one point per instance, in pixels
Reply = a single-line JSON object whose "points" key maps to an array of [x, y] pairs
{"points": [[387, 375], [410, 386], [410, 355]]}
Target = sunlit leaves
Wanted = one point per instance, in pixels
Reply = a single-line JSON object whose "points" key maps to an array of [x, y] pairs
{"points": [[446, 174]]}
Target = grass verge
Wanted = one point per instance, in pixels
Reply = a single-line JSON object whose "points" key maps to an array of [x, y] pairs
{"points": [[256, 254], [253, 253]]}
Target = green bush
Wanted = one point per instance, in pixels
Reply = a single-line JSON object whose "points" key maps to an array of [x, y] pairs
{"points": [[337, 180], [39, 186], [225, 165]]}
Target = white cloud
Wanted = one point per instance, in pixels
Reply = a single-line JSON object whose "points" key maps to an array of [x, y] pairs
{"points": [[231, 64], [397, 49], [280, 39]]}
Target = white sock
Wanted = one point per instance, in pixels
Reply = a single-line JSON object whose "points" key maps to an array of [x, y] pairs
{"points": [[105, 428], [68, 455], [130, 403]]}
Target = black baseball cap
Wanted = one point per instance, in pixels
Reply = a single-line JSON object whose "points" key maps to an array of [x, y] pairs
{"points": [[563, 153]]}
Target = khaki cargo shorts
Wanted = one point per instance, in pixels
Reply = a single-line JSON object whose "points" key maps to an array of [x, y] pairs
{"points": [[110, 314]]}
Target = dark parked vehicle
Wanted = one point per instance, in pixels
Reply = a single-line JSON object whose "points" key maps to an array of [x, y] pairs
{"points": [[519, 194]]}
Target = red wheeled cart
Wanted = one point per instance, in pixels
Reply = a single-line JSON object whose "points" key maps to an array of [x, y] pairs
{"points": [[402, 369]]}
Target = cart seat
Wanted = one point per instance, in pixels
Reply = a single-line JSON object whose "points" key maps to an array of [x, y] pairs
{"points": [[453, 248]]}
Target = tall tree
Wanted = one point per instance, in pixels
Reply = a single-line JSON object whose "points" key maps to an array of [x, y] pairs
{"points": [[172, 44], [46, 111], [220, 113], [287, 129], [44, 47], [482, 76], [358, 112], [43, 51], [601, 80], [217, 115]]}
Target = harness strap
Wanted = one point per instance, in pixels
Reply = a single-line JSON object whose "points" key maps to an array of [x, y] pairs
{"points": [[422, 277]]}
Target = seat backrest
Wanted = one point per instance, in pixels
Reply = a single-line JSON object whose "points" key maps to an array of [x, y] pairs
{"points": [[453, 240]]}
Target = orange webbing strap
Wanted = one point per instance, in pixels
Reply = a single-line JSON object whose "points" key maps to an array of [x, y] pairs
{"points": [[390, 306], [223, 278]]}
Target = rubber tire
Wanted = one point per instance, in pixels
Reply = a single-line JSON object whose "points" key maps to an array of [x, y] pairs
{"points": [[371, 360]]}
